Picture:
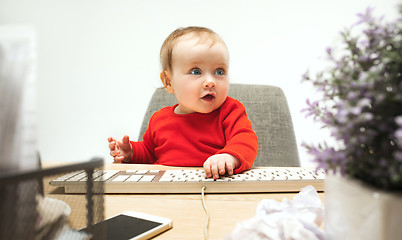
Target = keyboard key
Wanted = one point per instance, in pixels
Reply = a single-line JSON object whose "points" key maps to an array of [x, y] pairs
{"points": [[108, 174], [178, 179], [207, 180], [224, 179], [121, 178], [280, 177], [134, 178], [194, 179], [147, 178], [77, 177], [69, 175], [308, 177], [294, 177]]}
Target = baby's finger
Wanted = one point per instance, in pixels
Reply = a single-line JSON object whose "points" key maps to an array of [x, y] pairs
{"points": [[118, 159], [221, 167], [229, 167], [112, 145], [125, 144], [126, 139], [114, 153], [215, 171], [207, 169]]}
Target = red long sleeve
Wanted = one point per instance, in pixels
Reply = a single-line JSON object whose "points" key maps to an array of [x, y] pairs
{"points": [[188, 140]]}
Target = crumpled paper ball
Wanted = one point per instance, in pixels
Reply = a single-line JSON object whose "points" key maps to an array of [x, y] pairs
{"points": [[297, 219]]}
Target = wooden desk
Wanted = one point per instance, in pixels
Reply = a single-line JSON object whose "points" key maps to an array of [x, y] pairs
{"points": [[185, 210]]}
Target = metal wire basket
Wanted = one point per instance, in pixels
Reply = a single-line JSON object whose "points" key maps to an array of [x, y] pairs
{"points": [[32, 209]]}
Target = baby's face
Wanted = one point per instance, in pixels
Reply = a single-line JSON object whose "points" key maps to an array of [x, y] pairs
{"points": [[199, 79]]}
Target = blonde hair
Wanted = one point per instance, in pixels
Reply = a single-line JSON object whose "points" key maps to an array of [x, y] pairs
{"points": [[166, 53]]}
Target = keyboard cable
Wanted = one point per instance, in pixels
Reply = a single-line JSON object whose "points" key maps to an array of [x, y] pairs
{"points": [[206, 211]]}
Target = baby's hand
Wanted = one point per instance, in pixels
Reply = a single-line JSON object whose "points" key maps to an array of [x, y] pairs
{"points": [[218, 164], [120, 151]]}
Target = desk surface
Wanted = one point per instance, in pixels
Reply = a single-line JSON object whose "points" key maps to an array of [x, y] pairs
{"points": [[185, 210]]}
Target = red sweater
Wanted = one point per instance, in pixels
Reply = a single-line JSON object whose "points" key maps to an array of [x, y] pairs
{"points": [[189, 139]]}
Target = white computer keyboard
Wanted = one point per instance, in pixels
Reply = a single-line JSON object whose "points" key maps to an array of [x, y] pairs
{"points": [[192, 180]]}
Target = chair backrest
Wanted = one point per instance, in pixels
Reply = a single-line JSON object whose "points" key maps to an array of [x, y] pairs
{"points": [[267, 109]]}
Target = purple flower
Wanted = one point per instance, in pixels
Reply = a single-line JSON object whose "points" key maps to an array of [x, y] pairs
{"points": [[305, 76], [398, 120], [383, 162], [398, 156], [356, 110], [363, 43], [365, 17], [398, 135], [364, 58], [329, 53]]}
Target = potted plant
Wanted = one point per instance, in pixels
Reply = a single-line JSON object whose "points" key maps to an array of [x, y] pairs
{"points": [[360, 102]]}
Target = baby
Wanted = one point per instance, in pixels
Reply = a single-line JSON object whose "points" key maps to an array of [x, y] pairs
{"points": [[206, 127]]}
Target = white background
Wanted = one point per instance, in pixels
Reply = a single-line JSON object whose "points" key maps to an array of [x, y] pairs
{"points": [[98, 60]]}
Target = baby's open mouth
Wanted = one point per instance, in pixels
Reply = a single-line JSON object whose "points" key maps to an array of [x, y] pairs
{"points": [[209, 97]]}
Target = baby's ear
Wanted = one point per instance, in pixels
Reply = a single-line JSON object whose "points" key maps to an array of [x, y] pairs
{"points": [[165, 78]]}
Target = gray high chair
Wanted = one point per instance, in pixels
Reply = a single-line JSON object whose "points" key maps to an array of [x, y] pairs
{"points": [[267, 109]]}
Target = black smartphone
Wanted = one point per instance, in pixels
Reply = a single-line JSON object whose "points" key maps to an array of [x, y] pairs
{"points": [[133, 225]]}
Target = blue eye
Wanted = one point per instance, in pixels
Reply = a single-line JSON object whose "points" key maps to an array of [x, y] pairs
{"points": [[219, 72], [196, 72]]}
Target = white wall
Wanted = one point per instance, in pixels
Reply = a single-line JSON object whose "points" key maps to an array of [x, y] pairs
{"points": [[98, 60]]}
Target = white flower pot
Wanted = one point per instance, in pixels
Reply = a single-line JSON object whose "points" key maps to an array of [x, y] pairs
{"points": [[355, 211]]}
